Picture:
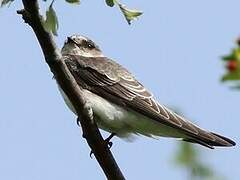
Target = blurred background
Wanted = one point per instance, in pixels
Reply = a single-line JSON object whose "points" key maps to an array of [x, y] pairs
{"points": [[174, 49]]}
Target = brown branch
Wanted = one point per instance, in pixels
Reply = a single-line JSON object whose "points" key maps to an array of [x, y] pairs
{"points": [[53, 58]]}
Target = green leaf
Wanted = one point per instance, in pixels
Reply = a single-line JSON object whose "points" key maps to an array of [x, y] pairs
{"points": [[234, 76], [228, 57], [186, 155], [51, 22], [5, 2], [129, 14], [73, 1], [237, 54], [110, 3], [234, 55]]}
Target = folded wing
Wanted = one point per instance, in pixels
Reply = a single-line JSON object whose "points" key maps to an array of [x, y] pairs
{"points": [[113, 82]]}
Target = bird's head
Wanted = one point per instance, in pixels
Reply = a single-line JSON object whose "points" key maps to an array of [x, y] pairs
{"points": [[81, 45]]}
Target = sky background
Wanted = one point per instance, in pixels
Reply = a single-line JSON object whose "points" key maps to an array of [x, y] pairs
{"points": [[173, 49]]}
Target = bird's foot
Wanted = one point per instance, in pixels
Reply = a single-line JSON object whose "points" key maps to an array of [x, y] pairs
{"points": [[78, 122], [107, 142]]}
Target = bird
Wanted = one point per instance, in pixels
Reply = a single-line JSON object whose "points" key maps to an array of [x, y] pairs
{"points": [[121, 104]]}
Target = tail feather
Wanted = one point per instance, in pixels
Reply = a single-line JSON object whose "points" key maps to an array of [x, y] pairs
{"points": [[210, 139], [224, 141]]}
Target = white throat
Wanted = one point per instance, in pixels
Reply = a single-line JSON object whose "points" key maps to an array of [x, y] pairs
{"points": [[87, 54]]}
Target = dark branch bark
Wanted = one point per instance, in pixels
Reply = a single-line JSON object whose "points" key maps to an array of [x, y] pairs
{"points": [[53, 58]]}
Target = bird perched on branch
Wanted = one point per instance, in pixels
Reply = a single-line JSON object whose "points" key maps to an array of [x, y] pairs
{"points": [[121, 104]]}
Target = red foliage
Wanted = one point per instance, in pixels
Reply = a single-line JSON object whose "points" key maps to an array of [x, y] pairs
{"points": [[232, 65]]}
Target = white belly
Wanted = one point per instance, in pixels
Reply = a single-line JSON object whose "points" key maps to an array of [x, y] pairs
{"points": [[124, 123]]}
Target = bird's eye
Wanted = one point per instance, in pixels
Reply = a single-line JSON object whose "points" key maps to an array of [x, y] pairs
{"points": [[90, 46]]}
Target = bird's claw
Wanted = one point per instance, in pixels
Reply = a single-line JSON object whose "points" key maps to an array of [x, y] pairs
{"points": [[110, 144], [78, 122], [107, 142], [91, 153]]}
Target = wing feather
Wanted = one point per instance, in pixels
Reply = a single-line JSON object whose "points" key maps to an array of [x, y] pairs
{"points": [[111, 81]]}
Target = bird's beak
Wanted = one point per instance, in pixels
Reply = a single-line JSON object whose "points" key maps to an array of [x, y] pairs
{"points": [[69, 39]]}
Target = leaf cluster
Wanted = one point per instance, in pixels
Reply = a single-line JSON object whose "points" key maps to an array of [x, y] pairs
{"points": [[51, 22], [188, 157], [232, 65]]}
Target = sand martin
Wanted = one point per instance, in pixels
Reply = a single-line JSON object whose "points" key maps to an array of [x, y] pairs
{"points": [[121, 104]]}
